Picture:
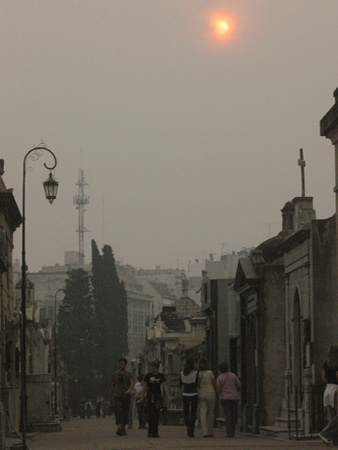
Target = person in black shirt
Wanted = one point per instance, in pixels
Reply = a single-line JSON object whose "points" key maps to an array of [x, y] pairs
{"points": [[152, 389]]}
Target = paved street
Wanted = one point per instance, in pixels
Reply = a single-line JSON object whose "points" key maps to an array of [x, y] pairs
{"points": [[99, 434]]}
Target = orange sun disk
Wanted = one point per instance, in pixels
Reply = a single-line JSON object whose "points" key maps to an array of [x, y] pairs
{"points": [[221, 27]]}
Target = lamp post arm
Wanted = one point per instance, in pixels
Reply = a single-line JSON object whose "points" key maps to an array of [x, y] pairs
{"points": [[36, 155]]}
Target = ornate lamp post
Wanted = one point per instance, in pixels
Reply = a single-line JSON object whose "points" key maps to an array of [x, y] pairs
{"points": [[50, 187]]}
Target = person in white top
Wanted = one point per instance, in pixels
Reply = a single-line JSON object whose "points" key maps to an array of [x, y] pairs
{"points": [[206, 398], [141, 413], [189, 381]]}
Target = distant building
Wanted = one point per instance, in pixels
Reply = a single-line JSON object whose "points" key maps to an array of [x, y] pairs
{"points": [[170, 277], [139, 310], [47, 282], [221, 306], [145, 296], [177, 332], [159, 292], [224, 268]]}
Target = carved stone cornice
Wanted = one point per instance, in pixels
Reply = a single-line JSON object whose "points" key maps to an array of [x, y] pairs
{"points": [[295, 239]]}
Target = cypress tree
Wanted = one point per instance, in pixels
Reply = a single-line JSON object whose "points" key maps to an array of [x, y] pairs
{"points": [[111, 319], [75, 337]]}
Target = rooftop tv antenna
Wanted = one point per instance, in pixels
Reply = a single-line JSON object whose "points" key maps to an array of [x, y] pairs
{"points": [[80, 200]]}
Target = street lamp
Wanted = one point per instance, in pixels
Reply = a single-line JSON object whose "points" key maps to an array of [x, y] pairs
{"points": [[66, 307], [50, 186]]}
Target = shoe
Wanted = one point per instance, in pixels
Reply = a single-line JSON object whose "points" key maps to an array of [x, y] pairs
{"points": [[123, 433], [324, 439], [208, 435], [119, 432]]}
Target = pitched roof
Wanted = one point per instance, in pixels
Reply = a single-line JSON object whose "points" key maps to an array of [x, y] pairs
{"points": [[162, 289], [246, 273]]}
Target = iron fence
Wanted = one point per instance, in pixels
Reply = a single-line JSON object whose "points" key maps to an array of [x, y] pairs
{"points": [[306, 413]]}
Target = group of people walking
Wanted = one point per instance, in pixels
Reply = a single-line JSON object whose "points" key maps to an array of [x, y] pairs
{"points": [[199, 391], [87, 408], [199, 388]]}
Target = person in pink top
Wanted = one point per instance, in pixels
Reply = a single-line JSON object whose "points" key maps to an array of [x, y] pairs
{"points": [[228, 385]]}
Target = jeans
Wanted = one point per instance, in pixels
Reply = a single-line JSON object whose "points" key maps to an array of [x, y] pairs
{"points": [[190, 411], [230, 415], [153, 418], [141, 414]]}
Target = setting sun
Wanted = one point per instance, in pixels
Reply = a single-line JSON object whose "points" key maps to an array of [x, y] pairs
{"points": [[221, 27]]}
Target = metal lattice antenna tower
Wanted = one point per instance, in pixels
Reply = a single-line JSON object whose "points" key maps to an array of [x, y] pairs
{"points": [[80, 200]]}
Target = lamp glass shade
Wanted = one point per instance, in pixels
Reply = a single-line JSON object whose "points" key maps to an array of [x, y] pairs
{"points": [[51, 187]]}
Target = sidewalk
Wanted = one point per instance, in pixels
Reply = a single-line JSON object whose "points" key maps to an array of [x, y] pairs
{"points": [[99, 434]]}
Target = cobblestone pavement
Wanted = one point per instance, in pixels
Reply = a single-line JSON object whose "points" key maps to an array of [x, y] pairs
{"points": [[99, 434]]}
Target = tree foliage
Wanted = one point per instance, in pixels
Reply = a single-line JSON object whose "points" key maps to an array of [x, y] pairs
{"points": [[75, 336], [111, 321], [93, 336]]}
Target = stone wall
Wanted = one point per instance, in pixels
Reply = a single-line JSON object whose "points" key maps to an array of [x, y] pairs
{"points": [[273, 309], [325, 302], [39, 398]]}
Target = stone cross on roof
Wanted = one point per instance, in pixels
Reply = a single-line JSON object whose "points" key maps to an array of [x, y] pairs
{"points": [[302, 164]]}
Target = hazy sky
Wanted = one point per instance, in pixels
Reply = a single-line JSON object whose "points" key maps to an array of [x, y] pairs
{"points": [[192, 139]]}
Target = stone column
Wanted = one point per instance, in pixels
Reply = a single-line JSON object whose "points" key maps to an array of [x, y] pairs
{"points": [[287, 372], [2, 427], [329, 129]]}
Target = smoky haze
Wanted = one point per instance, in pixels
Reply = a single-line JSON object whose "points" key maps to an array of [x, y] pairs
{"points": [[191, 142]]}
